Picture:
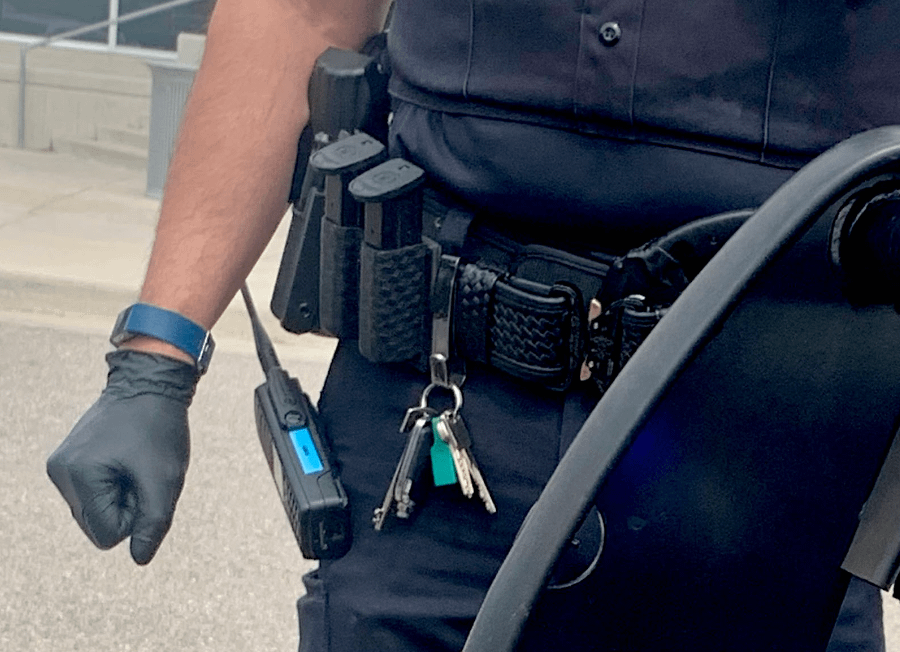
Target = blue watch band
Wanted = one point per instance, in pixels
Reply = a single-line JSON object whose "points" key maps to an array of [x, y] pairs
{"points": [[165, 325]]}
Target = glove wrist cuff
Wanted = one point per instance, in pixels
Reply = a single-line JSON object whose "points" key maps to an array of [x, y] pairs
{"points": [[136, 372]]}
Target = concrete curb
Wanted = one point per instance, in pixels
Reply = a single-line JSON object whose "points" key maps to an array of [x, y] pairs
{"points": [[91, 309]]}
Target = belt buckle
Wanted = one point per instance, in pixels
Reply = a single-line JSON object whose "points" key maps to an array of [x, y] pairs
{"points": [[590, 362]]}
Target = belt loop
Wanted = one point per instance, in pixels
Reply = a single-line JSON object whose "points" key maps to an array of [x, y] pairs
{"points": [[444, 221], [454, 228], [474, 312]]}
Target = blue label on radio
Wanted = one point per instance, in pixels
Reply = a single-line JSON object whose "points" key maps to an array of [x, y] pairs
{"points": [[306, 451]]}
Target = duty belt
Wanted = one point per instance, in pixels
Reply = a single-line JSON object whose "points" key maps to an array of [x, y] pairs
{"points": [[375, 256], [539, 314]]}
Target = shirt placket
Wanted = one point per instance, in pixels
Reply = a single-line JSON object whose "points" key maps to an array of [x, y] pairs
{"points": [[609, 43]]}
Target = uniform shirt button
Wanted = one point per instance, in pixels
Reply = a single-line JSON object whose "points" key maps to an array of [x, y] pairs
{"points": [[610, 33]]}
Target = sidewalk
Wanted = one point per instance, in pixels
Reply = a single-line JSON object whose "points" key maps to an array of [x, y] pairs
{"points": [[75, 236]]}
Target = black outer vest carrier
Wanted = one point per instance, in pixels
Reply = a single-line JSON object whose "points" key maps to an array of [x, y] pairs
{"points": [[771, 81]]}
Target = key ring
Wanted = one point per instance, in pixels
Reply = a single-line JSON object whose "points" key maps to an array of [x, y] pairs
{"points": [[453, 387]]}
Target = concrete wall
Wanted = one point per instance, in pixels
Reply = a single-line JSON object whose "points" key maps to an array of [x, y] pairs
{"points": [[71, 93], [9, 93]]}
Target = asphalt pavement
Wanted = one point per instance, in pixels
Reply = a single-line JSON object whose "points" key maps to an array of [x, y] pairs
{"points": [[74, 240]]}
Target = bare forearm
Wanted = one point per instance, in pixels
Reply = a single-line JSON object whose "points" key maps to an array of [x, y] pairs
{"points": [[229, 177]]}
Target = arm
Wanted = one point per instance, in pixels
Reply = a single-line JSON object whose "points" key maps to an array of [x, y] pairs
{"points": [[122, 468], [230, 174]]}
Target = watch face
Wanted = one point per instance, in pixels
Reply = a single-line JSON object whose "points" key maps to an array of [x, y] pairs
{"points": [[206, 352], [119, 335]]}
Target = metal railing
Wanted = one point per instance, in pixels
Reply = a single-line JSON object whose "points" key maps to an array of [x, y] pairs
{"points": [[51, 40]]}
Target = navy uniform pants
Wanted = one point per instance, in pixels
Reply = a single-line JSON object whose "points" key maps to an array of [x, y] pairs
{"points": [[418, 584]]}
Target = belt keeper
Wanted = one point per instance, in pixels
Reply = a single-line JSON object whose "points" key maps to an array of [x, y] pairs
{"points": [[537, 332], [473, 307]]}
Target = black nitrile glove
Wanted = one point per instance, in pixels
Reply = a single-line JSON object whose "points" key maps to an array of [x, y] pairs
{"points": [[122, 467]]}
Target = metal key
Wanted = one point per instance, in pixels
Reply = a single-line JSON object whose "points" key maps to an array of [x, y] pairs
{"points": [[464, 441], [401, 483], [382, 512], [411, 464], [413, 414], [463, 474]]}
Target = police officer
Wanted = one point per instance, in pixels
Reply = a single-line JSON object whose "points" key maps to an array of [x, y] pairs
{"points": [[610, 122]]}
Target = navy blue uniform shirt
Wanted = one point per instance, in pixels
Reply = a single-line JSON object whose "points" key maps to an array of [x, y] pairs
{"points": [[558, 107]]}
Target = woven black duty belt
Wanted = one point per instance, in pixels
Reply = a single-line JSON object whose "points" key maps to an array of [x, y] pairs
{"points": [[536, 313], [528, 329]]}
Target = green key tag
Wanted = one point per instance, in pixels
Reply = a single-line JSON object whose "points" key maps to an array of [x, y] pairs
{"points": [[442, 467]]}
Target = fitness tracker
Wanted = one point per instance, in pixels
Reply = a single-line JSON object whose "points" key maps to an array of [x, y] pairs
{"points": [[165, 325]]}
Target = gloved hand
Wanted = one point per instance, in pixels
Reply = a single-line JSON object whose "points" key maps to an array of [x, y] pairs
{"points": [[122, 467]]}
